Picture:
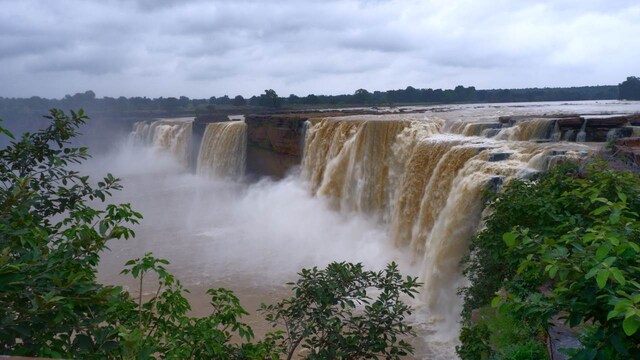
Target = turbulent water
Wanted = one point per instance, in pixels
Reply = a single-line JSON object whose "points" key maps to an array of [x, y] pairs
{"points": [[223, 150], [372, 189]]}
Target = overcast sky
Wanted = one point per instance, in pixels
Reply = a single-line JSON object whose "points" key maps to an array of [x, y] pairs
{"points": [[200, 49]]}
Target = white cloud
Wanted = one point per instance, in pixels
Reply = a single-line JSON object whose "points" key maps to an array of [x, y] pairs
{"points": [[203, 48]]}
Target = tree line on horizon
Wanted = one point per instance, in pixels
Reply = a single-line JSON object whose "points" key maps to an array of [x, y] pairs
{"points": [[182, 105]]}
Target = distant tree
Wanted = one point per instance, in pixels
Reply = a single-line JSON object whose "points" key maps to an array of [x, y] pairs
{"points": [[630, 89], [361, 96], [293, 99], [411, 95], [87, 95], [254, 100], [239, 101], [464, 94], [225, 100], [310, 99], [170, 104], [184, 102], [270, 99]]}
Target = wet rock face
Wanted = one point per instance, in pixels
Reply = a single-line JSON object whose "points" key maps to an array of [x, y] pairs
{"points": [[281, 135], [498, 156], [274, 144]]}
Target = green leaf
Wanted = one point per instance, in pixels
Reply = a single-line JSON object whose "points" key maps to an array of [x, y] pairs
{"points": [[622, 197], [617, 274], [631, 325], [602, 277], [612, 314], [510, 239], [600, 210], [602, 252], [614, 218]]}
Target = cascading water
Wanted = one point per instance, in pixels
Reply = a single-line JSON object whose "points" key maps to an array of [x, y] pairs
{"points": [[536, 129], [426, 185], [354, 163], [582, 134], [173, 136], [223, 150]]}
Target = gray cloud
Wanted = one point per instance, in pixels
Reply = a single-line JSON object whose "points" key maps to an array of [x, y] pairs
{"points": [[201, 48]]}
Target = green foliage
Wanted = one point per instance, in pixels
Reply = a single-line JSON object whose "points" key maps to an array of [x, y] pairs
{"points": [[50, 241], [332, 315], [629, 89], [270, 99], [239, 100], [529, 203], [527, 350], [163, 327], [501, 336], [572, 251], [475, 343]]}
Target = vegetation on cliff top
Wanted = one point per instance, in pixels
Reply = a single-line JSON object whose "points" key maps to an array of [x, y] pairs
{"points": [[51, 304]]}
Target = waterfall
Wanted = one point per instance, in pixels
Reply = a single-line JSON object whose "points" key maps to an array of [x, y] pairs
{"points": [[223, 150], [173, 136], [475, 128], [425, 184], [305, 128], [582, 134], [353, 161], [536, 129]]}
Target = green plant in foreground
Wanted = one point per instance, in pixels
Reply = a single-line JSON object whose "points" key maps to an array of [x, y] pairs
{"points": [[162, 325], [50, 303], [332, 315], [500, 336], [581, 263]]}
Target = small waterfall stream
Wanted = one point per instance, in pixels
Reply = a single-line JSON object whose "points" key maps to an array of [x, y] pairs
{"points": [[223, 150]]}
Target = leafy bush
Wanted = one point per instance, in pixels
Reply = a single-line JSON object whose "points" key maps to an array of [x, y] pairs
{"points": [[527, 350], [333, 317], [475, 343], [534, 204], [571, 251], [501, 336], [161, 325], [48, 294]]}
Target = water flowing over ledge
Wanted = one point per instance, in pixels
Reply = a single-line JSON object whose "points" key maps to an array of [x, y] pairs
{"points": [[223, 150]]}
